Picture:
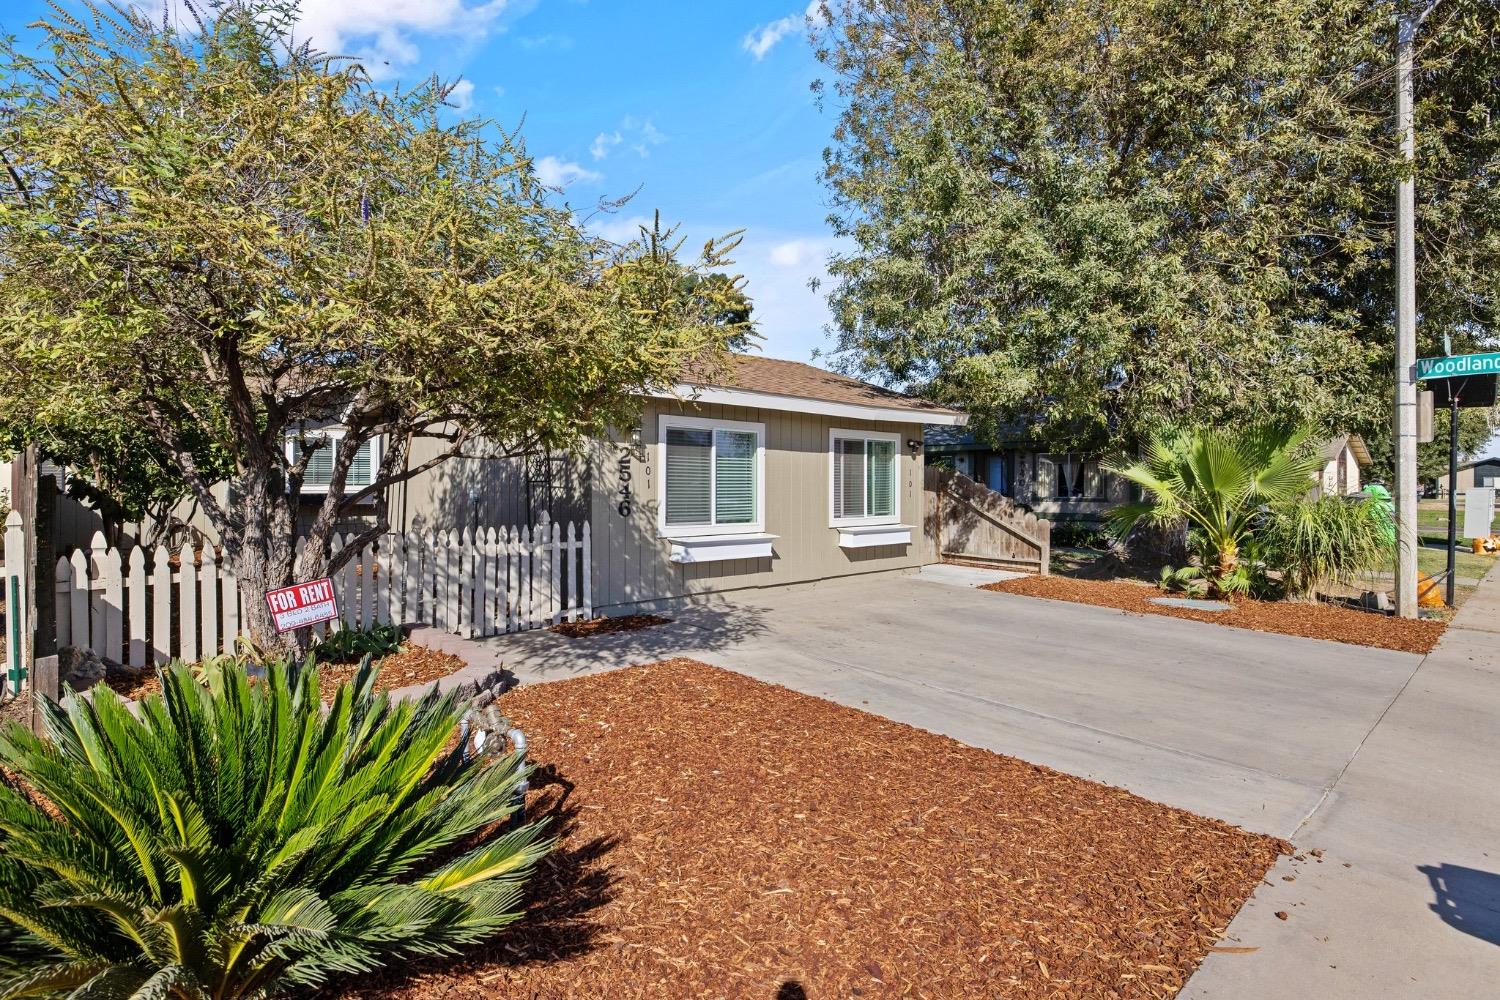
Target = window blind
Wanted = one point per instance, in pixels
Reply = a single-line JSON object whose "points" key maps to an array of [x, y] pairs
{"points": [[734, 477], [689, 472], [848, 477], [881, 488], [320, 467]]}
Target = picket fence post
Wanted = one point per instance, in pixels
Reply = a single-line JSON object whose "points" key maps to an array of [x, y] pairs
{"points": [[16, 584]]}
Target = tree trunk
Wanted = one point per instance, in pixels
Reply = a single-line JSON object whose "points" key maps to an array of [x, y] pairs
{"points": [[262, 553]]}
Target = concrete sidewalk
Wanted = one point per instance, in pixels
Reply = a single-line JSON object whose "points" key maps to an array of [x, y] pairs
{"points": [[1415, 817]]}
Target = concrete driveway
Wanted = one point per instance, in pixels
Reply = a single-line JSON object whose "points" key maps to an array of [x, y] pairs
{"points": [[1384, 763]]}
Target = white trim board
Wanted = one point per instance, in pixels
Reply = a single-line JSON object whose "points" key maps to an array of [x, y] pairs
{"points": [[800, 404]]}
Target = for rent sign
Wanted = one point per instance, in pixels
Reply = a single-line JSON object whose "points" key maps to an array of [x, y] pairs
{"points": [[302, 604]]}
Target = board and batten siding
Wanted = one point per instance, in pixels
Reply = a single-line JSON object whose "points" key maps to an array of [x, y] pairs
{"points": [[632, 565]]}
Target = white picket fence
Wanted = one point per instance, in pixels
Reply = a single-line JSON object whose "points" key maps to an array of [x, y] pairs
{"points": [[139, 608]]}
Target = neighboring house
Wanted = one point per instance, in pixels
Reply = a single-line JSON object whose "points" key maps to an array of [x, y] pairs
{"points": [[1059, 485], [1343, 459], [1479, 472]]}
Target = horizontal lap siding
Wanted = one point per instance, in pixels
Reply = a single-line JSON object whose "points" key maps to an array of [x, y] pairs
{"points": [[632, 562]]}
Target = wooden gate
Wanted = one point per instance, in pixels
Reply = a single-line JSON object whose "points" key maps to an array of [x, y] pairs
{"points": [[967, 522]]}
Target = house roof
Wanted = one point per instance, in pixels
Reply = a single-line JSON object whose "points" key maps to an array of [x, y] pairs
{"points": [[773, 383], [1334, 445]]}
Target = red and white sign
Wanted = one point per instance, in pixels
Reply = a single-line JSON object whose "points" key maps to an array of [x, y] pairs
{"points": [[302, 604]]}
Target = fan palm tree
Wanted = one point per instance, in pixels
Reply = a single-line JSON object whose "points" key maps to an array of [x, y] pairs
{"points": [[234, 840], [1219, 482]]}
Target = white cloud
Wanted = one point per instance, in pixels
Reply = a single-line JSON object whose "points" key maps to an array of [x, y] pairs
{"points": [[639, 135], [462, 95], [620, 229], [763, 39], [379, 32], [554, 172], [603, 143], [802, 254]]}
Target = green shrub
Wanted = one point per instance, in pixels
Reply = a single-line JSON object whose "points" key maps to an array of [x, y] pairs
{"points": [[349, 644], [1315, 543], [235, 841], [1183, 580], [1218, 482]]}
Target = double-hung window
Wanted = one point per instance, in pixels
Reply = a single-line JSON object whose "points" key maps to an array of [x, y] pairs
{"points": [[324, 444], [712, 477], [864, 478]]}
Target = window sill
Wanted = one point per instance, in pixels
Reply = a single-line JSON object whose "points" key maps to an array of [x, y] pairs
{"points": [[865, 536], [718, 548]]}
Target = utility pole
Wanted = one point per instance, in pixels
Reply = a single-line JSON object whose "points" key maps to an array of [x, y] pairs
{"points": [[1406, 321]]}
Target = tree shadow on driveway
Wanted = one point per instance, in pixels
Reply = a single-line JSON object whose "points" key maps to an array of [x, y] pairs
{"points": [[697, 630]]}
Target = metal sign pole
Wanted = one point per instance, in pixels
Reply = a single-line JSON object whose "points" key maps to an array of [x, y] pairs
{"points": [[1452, 489]]}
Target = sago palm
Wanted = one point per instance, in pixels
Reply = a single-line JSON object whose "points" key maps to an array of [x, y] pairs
{"points": [[236, 840], [1219, 482]]}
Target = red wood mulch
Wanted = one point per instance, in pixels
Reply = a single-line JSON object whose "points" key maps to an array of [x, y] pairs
{"points": [[608, 626], [728, 838], [1304, 618], [411, 664]]}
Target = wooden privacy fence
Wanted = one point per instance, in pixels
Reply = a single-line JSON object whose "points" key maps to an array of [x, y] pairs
{"points": [[137, 607], [967, 521]]}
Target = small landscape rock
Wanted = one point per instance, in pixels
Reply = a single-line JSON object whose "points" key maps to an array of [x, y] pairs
{"points": [[1281, 915]]}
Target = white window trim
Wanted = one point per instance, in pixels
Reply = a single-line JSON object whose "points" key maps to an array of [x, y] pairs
{"points": [[758, 527], [834, 436], [332, 435]]}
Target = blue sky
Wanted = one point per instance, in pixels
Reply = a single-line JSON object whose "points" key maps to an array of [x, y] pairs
{"points": [[704, 106]]}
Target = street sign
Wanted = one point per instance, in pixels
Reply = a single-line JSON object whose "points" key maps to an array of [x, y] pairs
{"points": [[302, 604], [1463, 364]]}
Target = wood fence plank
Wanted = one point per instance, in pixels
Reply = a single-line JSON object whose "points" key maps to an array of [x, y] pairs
{"points": [[112, 583], [523, 581], [350, 575], [570, 579], [451, 567], [485, 586], [588, 573], [466, 577], [554, 594], [229, 589], [187, 609], [367, 587], [161, 605], [97, 548], [63, 602], [512, 593], [208, 607], [135, 653], [78, 600]]}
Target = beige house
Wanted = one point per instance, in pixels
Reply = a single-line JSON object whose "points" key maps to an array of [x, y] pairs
{"points": [[777, 473], [771, 473]]}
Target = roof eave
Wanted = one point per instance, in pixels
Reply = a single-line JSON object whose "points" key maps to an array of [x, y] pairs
{"points": [[689, 392]]}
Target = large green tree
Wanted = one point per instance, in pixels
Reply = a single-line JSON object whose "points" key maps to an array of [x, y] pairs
{"points": [[1098, 216], [217, 241]]}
